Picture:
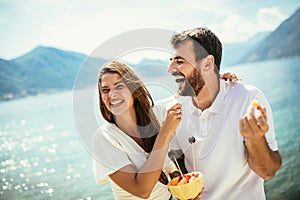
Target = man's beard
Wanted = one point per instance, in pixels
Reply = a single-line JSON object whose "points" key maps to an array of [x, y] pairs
{"points": [[192, 85]]}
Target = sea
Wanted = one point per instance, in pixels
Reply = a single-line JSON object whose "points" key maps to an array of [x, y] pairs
{"points": [[43, 156]]}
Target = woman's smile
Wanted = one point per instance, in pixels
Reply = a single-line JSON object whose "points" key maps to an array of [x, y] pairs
{"points": [[116, 104]]}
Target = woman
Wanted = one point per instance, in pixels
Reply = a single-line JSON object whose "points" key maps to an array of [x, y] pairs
{"points": [[130, 150]]}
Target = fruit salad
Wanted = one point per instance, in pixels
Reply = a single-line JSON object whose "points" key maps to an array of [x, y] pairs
{"points": [[183, 179], [186, 186]]}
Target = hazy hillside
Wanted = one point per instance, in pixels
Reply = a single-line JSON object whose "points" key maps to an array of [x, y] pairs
{"points": [[151, 67], [283, 42], [40, 70], [10, 84], [46, 67], [234, 53]]}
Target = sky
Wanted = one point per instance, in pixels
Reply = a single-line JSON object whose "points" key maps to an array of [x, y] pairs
{"points": [[83, 25]]}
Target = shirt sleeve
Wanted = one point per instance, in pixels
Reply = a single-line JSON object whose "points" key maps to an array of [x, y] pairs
{"points": [[270, 135], [108, 156]]}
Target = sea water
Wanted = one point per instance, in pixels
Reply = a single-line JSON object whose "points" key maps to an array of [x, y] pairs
{"points": [[42, 155]]}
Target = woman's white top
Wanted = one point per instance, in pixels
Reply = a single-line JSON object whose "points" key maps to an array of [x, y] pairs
{"points": [[112, 150]]}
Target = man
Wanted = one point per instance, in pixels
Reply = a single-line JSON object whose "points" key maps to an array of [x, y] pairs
{"points": [[235, 147]]}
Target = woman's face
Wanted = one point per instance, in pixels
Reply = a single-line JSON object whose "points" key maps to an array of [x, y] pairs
{"points": [[115, 94]]}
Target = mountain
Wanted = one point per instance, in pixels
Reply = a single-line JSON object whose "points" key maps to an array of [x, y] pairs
{"points": [[151, 68], [43, 69], [234, 52], [47, 67], [283, 42], [10, 84]]}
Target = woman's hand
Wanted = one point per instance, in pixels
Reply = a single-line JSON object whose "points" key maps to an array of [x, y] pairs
{"points": [[172, 119], [227, 76]]}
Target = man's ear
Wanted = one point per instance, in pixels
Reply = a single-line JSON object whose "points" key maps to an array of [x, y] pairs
{"points": [[208, 63]]}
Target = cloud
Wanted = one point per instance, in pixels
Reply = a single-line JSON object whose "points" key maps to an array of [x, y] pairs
{"points": [[268, 19], [83, 26], [236, 28]]}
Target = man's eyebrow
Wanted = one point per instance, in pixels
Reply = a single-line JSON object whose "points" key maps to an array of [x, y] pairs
{"points": [[176, 58]]}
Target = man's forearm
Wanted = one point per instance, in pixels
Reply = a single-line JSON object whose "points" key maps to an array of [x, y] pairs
{"points": [[261, 159]]}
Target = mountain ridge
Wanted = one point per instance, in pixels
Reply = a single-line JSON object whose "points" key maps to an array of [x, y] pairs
{"points": [[281, 43]]}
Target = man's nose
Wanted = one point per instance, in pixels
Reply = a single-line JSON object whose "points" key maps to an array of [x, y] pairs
{"points": [[172, 66]]}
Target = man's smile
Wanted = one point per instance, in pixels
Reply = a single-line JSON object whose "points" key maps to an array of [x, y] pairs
{"points": [[179, 77]]}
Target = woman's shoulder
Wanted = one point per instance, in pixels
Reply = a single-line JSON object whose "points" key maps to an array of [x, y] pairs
{"points": [[104, 131]]}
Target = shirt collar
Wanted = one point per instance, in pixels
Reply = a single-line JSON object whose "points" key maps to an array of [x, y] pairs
{"points": [[216, 106], [218, 103]]}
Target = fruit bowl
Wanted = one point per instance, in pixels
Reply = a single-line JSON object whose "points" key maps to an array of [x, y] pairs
{"points": [[186, 186]]}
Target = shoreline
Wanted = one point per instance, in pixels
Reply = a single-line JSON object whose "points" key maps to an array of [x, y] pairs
{"points": [[12, 97]]}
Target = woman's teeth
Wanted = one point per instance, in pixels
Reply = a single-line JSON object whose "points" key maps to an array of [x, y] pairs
{"points": [[115, 103]]}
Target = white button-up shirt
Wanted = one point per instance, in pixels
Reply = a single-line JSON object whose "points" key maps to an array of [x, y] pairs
{"points": [[219, 148]]}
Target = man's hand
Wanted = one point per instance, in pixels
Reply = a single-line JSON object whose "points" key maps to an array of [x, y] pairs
{"points": [[199, 195], [253, 124]]}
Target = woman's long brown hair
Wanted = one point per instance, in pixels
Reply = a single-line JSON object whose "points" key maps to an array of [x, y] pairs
{"points": [[147, 122]]}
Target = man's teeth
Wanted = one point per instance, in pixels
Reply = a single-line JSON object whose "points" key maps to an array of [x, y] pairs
{"points": [[179, 79], [116, 102]]}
